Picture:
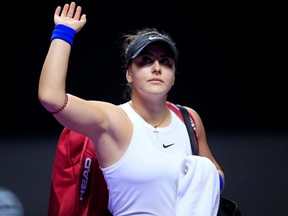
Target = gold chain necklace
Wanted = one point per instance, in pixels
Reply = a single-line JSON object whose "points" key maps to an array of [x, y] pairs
{"points": [[155, 126]]}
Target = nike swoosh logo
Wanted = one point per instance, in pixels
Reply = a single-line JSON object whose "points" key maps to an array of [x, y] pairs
{"points": [[166, 146], [154, 37]]}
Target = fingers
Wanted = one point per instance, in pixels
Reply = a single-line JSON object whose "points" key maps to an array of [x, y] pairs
{"points": [[83, 19], [78, 13], [69, 11], [70, 16], [57, 11]]}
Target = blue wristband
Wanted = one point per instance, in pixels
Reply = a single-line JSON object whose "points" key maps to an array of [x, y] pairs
{"points": [[64, 32], [221, 182]]}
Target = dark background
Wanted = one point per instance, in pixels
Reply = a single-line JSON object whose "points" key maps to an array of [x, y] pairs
{"points": [[231, 70]]}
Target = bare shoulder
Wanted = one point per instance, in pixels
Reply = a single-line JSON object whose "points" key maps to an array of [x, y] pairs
{"points": [[198, 122], [194, 113]]}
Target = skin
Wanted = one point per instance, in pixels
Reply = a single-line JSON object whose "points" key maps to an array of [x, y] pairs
{"points": [[152, 75]]}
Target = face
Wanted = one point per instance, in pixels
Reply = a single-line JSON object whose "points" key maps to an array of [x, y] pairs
{"points": [[153, 71]]}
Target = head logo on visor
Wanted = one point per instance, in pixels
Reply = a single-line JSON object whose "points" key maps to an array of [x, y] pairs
{"points": [[137, 46]]}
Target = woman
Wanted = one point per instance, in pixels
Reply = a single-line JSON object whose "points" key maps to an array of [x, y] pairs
{"points": [[140, 144]]}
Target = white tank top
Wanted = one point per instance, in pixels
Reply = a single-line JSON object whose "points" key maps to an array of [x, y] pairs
{"points": [[144, 180]]}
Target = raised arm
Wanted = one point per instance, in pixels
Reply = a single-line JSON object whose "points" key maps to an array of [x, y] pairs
{"points": [[52, 81], [95, 119]]}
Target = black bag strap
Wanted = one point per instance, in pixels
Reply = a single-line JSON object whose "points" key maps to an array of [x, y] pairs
{"points": [[187, 122]]}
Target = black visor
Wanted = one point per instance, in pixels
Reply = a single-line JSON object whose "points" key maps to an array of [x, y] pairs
{"points": [[137, 46]]}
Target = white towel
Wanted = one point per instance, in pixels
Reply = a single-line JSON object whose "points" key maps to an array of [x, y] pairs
{"points": [[198, 188]]}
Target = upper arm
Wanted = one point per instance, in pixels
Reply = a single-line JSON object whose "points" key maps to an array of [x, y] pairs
{"points": [[204, 149], [87, 117]]}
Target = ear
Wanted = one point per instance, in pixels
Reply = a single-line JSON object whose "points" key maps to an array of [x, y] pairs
{"points": [[128, 76]]}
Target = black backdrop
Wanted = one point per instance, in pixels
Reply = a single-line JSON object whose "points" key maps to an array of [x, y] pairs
{"points": [[231, 70]]}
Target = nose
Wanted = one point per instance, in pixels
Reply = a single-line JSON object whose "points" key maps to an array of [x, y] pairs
{"points": [[156, 67]]}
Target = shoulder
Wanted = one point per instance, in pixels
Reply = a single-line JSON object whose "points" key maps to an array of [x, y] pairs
{"points": [[193, 113], [105, 118]]}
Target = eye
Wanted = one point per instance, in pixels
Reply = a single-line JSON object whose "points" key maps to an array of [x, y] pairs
{"points": [[167, 61], [143, 60], [146, 60]]}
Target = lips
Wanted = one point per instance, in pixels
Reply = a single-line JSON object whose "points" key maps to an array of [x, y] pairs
{"points": [[155, 80]]}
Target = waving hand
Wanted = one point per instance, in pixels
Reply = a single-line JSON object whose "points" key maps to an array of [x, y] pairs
{"points": [[70, 16]]}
